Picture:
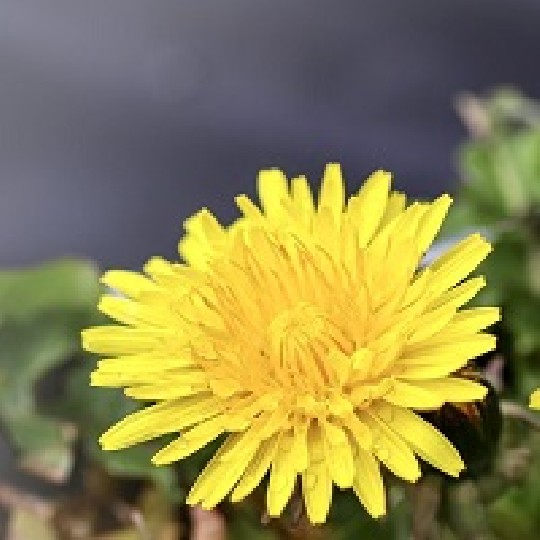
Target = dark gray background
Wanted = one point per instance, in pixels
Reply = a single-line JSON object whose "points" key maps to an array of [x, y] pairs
{"points": [[120, 118]]}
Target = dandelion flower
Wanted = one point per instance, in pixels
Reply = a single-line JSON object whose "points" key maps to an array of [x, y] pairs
{"points": [[535, 399], [306, 335]]}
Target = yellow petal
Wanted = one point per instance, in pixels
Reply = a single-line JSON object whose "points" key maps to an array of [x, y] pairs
{"points": [[213, 231], [222, 472], [359, 431], [372, 199], [470, 321], [362, 360], [153, 392], [131, 284], [458, 263], [339, 458], [272, 189], [134, 313], [460, 294], [247, 207], [193, 378], [341, 366], [119, 340], [409, 395], [417, 288], [391, 449], [194, 252], [431, 322], [154, 421], [453, 389], [158, 268], [368, 483], [143, 363], [282, 476], [190, 441], [395, 206], [535, 399], [439, 359], [299, 450], [302, 196], [256, 469], [332, 193], [316, 480], [431, 222], [429, 443]]}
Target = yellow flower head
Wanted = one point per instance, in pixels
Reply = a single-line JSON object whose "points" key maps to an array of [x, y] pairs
{"points": [[306, 335], [535, 399]]}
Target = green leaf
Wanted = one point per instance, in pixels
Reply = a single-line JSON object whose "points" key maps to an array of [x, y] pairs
{"points": [[461, 217], [481, 188], [42, 312], [509, 518], [34, 432], [501, 176], [521, 153], [29, 349], [505, 269], [52, 463], [64, 284]]}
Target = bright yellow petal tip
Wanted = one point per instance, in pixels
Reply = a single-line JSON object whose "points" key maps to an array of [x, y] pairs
{"points": [[307, 335], [535, 399]]}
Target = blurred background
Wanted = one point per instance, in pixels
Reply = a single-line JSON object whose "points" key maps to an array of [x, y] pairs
{"points": [[120, 119]]}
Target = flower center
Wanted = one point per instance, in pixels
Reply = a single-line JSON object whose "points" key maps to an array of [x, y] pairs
{"points": [[300, 339], [295, 328]]}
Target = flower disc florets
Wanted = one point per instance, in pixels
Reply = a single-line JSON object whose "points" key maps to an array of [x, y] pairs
{"points": [[307, 334]]}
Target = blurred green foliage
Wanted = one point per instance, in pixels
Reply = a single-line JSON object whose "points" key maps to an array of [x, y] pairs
{"points": [[500, 193], [42, 311], [53, 418]]}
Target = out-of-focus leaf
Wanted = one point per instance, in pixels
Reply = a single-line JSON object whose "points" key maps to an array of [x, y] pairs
{"points": [[35, 432], [480, 189], [522, 317], [45, 444], [25, 525], [461, 217], [509, 518], [65, 284], [505, 269], [510, 110], [42, 312], [30, 349], [53, 463], [522, 153], [501, 176], [515, 513]]}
